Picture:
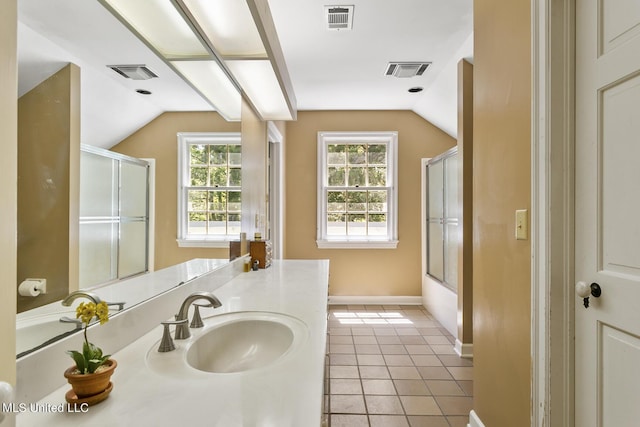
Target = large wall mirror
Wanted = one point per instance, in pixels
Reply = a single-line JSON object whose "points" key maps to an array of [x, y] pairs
{"points": [[69, 97]]}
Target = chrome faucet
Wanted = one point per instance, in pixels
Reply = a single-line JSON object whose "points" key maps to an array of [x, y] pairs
{"points": [[80, 294], [182, 329]]}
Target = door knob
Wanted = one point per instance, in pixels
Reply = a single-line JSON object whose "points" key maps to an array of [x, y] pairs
{"points": [[585, 291]]}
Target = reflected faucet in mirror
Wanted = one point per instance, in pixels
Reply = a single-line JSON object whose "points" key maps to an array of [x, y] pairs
{"points": [[74, 296], [80, 294], [90, 296]]}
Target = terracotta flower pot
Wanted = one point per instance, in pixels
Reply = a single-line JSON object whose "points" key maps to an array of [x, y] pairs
{"points": [[86, 385]]}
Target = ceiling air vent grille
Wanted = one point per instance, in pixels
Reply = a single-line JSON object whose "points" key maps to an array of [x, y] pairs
{"points": [[406, 69], [134, 72], [339, 17]]}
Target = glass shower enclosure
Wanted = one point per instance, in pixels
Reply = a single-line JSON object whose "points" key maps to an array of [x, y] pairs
{"points": [[114, 216]]}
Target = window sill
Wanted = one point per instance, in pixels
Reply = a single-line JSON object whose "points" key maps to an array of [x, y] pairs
{"points": [[357, 244], [202, 243]]}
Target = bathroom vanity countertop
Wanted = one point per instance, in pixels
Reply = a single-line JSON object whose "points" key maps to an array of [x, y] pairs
{"points": [[287, 394]]}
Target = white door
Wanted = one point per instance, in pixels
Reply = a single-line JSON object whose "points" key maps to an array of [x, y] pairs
{"points": [[608, 212]]}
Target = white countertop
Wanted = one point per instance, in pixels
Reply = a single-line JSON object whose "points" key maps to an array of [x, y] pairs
{"points": [[286, 394]]}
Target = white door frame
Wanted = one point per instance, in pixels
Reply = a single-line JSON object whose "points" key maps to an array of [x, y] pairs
{"points": [[276, 192], [151, 250], [552, 219]]}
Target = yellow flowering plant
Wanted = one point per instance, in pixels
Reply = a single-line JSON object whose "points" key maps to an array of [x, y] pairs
{"points": [[91, 357]]}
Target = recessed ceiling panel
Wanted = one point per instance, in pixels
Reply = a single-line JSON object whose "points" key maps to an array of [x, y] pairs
{"points": [[261, 85], [229, 26], [160, 23], [208, 78]]}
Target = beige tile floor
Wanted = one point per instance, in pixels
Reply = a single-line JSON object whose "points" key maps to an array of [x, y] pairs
{"points": [[394, 366]]}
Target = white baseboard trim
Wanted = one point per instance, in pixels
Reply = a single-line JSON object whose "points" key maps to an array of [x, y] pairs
{"points": [[463, 350], [375, 300], [474, 420]]}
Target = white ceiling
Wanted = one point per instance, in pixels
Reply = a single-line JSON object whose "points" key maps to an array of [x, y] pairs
{"points": [[329, 70]]}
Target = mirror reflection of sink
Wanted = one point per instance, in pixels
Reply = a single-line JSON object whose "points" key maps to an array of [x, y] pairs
{"points": [[33, 332], [234, 343]]}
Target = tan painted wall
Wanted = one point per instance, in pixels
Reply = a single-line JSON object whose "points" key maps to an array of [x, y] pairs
{"points": [[8, 191], [501, 276], [158, 140], [465, 201], [360, 272], [48, 168]]}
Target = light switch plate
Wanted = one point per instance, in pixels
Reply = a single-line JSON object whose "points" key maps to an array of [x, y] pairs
{"points": [[522, 228]]}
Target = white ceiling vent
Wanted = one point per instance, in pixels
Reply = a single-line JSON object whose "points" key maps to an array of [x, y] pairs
{"points": [[339, 17], [134, 72], [406, 69]]}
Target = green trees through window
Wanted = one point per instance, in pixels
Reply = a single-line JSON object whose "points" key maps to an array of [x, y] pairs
{"points": [[211, 188], [356, 188], [360, 211]]}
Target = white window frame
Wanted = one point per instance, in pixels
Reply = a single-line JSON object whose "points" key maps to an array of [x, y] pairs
{"points": [[390, 241], [184, 140]]}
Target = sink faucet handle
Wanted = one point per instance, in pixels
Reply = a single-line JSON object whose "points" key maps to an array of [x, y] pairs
{"points": [[197, 322], [166, 344], [120, 305], [67, 319]]}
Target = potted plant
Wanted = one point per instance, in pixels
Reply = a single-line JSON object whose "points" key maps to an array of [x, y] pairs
{"points": [[91, 375]]}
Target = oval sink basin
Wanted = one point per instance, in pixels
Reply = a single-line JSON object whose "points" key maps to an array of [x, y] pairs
{"points": [[232, 343], [240, 346]]}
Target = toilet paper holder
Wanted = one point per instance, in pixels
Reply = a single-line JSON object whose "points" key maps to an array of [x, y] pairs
{"points": [[32, 287]]}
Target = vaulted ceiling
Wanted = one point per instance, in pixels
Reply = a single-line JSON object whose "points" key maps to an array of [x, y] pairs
{"points": [[329, 70]]}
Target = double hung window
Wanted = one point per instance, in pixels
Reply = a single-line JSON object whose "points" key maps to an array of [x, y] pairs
{"points": [[209, 188], [357, 190]]}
